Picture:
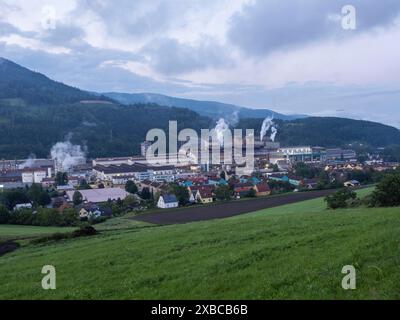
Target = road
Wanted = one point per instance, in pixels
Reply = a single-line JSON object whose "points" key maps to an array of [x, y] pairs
{"points": [[226, 209]]}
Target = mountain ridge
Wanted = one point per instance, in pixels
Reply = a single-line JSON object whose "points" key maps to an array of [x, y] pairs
{"points": [[38, 112], [209, 108], [18, 82]]}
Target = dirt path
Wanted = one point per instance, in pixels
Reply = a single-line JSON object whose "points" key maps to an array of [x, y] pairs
{"points": [[227, 209]]}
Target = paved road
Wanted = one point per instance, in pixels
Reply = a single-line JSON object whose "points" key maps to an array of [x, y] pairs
{"points": [[226, 209]]}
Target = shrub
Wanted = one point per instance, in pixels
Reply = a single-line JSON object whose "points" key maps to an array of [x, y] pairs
{"points": [[387, 193], [4, 214], [340, 199], [84, 232]]}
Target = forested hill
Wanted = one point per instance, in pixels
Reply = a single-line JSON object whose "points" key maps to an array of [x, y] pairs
{"points": [[106, 130], [211, 109], [329, 132], [37, 112], [19, 85]]}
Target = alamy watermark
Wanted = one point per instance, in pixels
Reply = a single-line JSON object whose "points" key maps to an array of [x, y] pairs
{"points": [[349, 280], [349, 17], [49, 17], [217, 146], [49, 280]]}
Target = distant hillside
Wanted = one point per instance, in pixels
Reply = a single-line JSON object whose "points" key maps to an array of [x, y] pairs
{"points": [[329, 132], [210, 109], [36, 112], [19, 85]]}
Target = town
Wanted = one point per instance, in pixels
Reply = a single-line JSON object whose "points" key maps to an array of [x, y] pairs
{"points": [[98, 189]]}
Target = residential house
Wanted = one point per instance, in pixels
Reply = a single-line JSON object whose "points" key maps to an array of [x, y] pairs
{"points": [[167, 201], [204, 195], [262, 189], [352, 183], [242, 189], [48, 182], [91, 210], [310, 183], [73, 181], [154, 187]]}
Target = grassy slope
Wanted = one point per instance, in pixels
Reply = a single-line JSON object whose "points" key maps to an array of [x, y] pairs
{"points": [[12, 231], [293, 251]]}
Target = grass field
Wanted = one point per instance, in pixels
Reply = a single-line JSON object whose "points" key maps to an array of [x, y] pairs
{"points": [[15, 232], [295, 251]]}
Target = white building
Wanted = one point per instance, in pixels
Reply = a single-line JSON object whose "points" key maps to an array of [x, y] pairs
{"points": [[35, 176], [22, 206], [167, 201], [99, 195], [138, 172]]}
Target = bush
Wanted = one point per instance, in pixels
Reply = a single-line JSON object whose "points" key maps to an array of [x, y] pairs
{"points": [[84, 232], [43, 217], [387, 193], [251, 193], [4, 214], [341, 199]]}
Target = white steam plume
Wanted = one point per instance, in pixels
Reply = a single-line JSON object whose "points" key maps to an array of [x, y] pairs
{"points": [[220, 130], [29, 163], [268, 124], [67, 155], [274, 131]]}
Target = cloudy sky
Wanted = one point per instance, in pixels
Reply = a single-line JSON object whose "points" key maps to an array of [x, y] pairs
{"points": [[292, 56]]}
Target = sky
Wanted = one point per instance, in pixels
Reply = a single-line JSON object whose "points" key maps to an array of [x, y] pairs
{"points": [[322, 58]]}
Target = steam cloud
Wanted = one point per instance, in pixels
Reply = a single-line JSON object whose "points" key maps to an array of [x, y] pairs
{"points": [[67, 155], [268, 124], [29, 163], [220, 129]]}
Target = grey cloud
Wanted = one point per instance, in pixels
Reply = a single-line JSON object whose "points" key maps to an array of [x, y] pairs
{"points": [[170, 57], [64, 35], [7, 29], [134, 18], [266, 26], [84, 69]]}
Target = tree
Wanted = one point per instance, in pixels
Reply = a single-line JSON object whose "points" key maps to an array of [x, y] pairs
{"points": [[251, 193], [61, 178], [130, 201], [324, 180], [131, 187], [4, 214], [14, 197], [38, 196], [43, 199], [275, 168], [340, 199], [181, 193], [77, 198], [83, 185], [305, 171], [387, 193], [145, 194], [223, 193], [70, 217]]}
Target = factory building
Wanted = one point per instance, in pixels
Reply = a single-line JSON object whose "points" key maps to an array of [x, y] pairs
{"points": [[138, 172]]}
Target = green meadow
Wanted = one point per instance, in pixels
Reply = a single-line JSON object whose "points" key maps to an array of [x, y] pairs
{"points": [[294, 251], [16, 232]]}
